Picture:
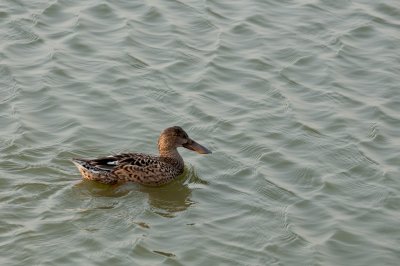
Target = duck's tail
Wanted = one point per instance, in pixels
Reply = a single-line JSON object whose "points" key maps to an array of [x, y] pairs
{"points": [[91, 172]]}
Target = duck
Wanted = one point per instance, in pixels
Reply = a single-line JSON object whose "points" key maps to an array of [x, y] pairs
{"points": [[144, 169]]}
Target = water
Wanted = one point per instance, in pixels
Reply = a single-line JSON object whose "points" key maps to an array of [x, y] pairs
{"points": [[299, 101]]}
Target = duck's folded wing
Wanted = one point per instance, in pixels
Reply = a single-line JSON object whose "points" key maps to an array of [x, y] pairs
{"points": [[110, 162], [106, 163]]}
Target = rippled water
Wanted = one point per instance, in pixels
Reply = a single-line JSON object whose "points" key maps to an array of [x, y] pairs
{"points": [[299, 100]]}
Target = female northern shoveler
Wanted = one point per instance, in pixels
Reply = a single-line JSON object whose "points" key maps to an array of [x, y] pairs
{"points": [[141, 168]]}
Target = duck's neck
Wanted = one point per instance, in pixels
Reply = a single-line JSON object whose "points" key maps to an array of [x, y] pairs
{"points": [[172, 155]]}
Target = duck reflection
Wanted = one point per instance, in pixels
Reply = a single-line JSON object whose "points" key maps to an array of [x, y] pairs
{"points": [[166, 200], [169, 199], [175, 196]]}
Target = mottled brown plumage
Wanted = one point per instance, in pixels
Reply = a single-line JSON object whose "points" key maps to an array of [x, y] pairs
{"points": [[142, 168]]}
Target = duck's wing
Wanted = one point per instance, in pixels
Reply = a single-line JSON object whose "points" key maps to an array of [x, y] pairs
{"points": [[107, 163]]}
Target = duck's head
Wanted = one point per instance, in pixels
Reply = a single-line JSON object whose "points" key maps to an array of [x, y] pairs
{"points": [[174, 137]]}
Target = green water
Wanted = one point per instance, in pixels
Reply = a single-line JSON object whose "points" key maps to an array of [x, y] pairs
{"points": [[298, 100]]}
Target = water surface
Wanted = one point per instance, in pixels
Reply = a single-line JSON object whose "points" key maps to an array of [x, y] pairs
{"points": [[299, 101]]}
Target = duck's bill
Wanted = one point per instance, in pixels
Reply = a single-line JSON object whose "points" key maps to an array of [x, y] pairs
{"points": [[194, 146]]}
